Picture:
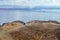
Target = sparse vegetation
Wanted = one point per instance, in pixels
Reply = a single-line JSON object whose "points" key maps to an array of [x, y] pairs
{"points": [[32, 30]]}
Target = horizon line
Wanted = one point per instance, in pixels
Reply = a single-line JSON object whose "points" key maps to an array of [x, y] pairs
{"points": [[30, 8]]}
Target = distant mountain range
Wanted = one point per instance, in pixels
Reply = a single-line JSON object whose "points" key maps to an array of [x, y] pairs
{"points": [[27, 8]]}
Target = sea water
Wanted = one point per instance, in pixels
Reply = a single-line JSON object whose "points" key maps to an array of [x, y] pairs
{"points": [[13, 15]]}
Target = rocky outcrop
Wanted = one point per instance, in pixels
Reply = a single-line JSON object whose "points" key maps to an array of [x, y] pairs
{"points": [[43, 24], [12, 25], [32, 30]]}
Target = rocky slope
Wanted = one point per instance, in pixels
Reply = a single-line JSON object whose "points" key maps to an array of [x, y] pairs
{"points": [[32, 30]]}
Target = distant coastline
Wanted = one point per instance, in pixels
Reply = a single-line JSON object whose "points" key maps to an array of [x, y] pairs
{"points": [[28, 8]]}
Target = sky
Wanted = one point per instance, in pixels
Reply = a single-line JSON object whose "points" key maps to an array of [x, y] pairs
{"points": [[31, 3]]}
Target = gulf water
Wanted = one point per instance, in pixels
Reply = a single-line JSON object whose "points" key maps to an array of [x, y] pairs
{"points": [[13, 15]]}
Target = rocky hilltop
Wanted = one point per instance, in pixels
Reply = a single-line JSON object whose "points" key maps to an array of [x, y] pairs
{"points": [[32, 30]]}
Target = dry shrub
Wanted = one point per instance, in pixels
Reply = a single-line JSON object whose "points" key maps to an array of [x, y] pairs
{"points": [[57, 33], [49, 36], [52, 35], [26, 34]]}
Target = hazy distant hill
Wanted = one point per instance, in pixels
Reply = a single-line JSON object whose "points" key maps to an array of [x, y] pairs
{"points": [[27, 8]]}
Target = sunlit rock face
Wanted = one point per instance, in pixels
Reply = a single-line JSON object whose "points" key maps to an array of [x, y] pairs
{"points": [[51, 25], [37, 25], [43, 24], [32, 30], [12, 25], [22, 33], [5, 36]]}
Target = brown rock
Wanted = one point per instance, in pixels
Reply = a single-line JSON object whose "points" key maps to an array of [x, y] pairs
{"points": [[36, 25], [33, 30], [42, 25], [12, 25]]}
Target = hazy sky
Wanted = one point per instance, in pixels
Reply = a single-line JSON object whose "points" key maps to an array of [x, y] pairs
{"points": [[31, 3]]}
